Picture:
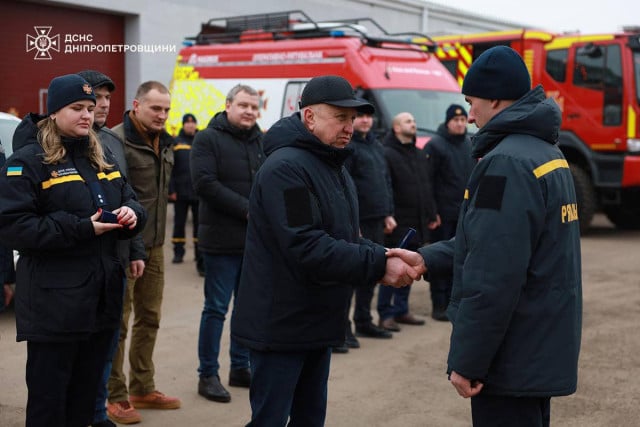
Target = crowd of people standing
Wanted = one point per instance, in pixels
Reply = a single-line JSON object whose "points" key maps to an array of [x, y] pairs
{"points": [[86, 206]]}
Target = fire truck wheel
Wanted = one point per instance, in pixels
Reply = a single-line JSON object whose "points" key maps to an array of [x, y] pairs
{"points": [[586, 195]]}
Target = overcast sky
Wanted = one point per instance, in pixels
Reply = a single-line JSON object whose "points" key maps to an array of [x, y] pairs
{"points": [[586, 16]]}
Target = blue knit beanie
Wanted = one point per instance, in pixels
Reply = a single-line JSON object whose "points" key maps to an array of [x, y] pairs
{"points": [[63, 90], [498, 73], [453, 111]]}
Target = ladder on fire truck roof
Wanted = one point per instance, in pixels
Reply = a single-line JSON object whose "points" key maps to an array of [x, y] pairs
{"points": [[295, 24]]}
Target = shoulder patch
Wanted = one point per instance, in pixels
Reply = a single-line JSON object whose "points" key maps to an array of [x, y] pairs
{"points": [[490, 192], [14, 170], [297, 203]]}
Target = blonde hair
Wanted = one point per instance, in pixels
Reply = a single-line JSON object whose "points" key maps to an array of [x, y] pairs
{"points": [[54, 151]]}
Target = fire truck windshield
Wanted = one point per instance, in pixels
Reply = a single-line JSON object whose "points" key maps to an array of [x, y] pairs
{"points": [[427, 107]]}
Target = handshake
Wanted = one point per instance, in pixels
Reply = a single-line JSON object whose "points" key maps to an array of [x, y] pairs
{"points": [[403, 268]]}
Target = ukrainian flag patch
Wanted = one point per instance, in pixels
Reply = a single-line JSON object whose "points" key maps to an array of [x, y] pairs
{"points": [[14, 171]]}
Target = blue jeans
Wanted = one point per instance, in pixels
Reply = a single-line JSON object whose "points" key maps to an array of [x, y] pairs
{"points": [[393, 302], [222, 276], [101, 398], [289, 385]]}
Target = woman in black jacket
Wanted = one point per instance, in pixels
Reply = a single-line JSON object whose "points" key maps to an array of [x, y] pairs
{"points": [[64, 205]]}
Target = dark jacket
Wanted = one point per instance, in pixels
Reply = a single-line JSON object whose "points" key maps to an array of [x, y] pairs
{"points": [[149, 175], [7, 269], [181, 174], [27, 131], [414, 205], [303, 250], [129, 250], [516, 303], [69, 281], [368, 168], [224, 163], [450, 165]]}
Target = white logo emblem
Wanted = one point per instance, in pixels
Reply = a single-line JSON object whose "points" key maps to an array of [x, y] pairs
{"points": [[42, 42]]}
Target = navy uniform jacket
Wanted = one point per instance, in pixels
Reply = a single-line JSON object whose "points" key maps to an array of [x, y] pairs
{"points": [[181, 173], [303, 251], [516, 303], [69, 281]]}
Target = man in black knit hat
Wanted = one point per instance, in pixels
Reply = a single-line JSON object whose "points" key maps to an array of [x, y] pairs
{"points": [[450, 165], [516, 302]]}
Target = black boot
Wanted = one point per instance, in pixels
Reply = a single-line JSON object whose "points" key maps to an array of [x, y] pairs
{"points": [[350, 340], [178, 253]]}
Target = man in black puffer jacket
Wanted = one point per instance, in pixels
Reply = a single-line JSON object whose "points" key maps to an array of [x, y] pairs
{"points": [[224, 161], [414, 207]]}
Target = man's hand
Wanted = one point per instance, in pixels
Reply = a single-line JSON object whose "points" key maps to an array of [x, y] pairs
{"points": [[136, 268], [389, 224], [435, 224], [414, 259], [465, 388], [399, 274]]}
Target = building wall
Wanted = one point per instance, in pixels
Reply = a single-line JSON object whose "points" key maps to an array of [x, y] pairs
{"points": [[165, 23]]}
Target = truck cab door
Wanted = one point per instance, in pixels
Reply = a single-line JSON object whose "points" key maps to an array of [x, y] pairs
{"points": [[593, 104]]}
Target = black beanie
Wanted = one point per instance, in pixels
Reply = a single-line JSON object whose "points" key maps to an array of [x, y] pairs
{"points": [[498, 73], [188, 117], [63, 90], [97, 79], [453, 111]]}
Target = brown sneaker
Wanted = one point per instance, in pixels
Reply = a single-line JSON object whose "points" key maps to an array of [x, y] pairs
{"points": [[155, 400], [123, 413]]}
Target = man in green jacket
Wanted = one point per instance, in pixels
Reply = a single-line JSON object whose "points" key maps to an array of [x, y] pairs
{"points": [[149, 157]]}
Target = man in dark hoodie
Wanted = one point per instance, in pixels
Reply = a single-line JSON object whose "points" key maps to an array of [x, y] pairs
{"points": [[516, 303], [224, 161], [450, 165], [302, 257], [131, 252], [182, 194]]}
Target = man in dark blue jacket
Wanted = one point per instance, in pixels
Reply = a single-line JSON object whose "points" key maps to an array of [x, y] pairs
{"points": [[368, 168], [516, 303], [224, 161], [303, 255]]}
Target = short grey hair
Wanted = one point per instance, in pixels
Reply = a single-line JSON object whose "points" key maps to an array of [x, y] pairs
{"points": [[240, 88]]}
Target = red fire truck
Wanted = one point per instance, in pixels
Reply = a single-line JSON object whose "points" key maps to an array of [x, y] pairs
{"points": [[594, 79], [278, 53]]}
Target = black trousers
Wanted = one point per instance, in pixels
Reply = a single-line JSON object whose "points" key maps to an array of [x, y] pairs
{"points": [[62, 379], [181, 210], [507, 411], [374, 231], [441, 285]]}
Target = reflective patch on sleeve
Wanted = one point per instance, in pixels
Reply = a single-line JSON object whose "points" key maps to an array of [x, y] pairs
{"points": [[490, 192], [297, 203]]}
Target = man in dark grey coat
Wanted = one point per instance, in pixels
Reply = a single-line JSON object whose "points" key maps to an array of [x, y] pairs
{"points": [[516, 303]]}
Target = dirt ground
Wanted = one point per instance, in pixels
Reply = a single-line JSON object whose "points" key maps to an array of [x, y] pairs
{"points": [[402, 381]]}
